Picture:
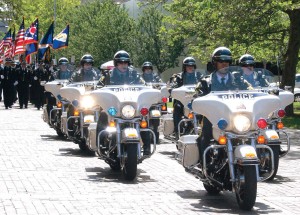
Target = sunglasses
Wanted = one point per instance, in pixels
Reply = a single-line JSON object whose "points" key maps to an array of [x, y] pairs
{"points": [[223, 61], [248, 65]]}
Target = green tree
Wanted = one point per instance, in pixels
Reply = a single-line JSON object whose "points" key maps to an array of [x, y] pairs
{"points": [[266, 29], [101, 29], [152, 43]]}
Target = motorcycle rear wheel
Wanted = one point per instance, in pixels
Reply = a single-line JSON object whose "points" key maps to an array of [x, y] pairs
{"points": [[130, 166], [245, 190]]}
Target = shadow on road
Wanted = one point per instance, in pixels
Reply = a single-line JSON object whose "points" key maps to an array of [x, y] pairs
{"points": [[109, 175], [75, 152], [54, 138], [223, 203]]}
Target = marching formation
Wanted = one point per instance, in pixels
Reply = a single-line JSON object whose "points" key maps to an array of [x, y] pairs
{"points": [[226, 125]]}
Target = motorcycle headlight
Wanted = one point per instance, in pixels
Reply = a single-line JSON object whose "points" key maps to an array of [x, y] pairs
{"points": [[128, 111], [241, 123], [87, 102]]}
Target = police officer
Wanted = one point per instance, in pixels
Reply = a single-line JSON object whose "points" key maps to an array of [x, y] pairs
{"points": [[24, 79], [220, 80], [256, 79], [63, 71], [150, 77], [8, 80], [148, 74], [186, 77], [124, 74], [39, 75], [86, 72]]}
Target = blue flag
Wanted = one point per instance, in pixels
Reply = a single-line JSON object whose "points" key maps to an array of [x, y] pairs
{"points": [[62, 39], [48, 37], [31, 49]]}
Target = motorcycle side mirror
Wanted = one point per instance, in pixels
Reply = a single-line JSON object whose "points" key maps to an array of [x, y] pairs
{"points": [[288, 88], [274, 92]]}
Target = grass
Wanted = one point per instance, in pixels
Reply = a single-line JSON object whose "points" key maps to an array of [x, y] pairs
{"points": [[293, 121]]}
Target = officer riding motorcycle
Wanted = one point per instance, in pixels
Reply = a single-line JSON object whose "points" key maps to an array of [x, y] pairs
{"points": [[81, 110], [155, 81], [55, 107], [121, 136], [188, 76]]}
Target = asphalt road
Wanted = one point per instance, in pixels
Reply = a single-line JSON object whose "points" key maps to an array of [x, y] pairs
{"points": [[43, 174]]}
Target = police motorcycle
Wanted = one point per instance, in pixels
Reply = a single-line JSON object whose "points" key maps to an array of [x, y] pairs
{"points": [[158, 110], [53, 116], [239, 126], [116, 137], [81, 111], [189, 123], [279, 144]]}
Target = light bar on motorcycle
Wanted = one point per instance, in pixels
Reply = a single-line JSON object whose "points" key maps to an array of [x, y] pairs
{"points": [[59, 97], [241, 123], [112, 111], [76, 113], [143, 124], [75, 103], [280, 125], [128, 111], [222, 140], [262, 123], [222, 124], [261, 139], [144, 111], [112, 123], [59, 104], [87, 102], [164, 99], [280, 113]]}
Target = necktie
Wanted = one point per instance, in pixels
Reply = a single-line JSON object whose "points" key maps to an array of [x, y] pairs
{"points": [[223, 82]]}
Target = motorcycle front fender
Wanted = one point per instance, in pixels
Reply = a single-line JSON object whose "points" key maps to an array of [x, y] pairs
{"points": [[245, 155]]}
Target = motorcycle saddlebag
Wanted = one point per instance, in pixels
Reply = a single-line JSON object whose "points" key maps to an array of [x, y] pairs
{"points": [[189, 149], [167, 124], [92, 130]]}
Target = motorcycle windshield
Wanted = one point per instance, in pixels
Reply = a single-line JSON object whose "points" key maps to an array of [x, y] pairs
{"points": [[235, 98], [118, 96], [76, 90]]}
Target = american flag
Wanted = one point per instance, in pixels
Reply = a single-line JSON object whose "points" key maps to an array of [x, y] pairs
{"points": [[6, 41], [19, 44]]}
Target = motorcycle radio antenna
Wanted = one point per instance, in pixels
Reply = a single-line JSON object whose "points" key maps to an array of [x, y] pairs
{"points": [[278, 70]]}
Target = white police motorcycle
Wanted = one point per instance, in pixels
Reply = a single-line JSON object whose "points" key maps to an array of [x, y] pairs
{"points": [[239, 128], [53, 118], [116, 135], [81, 111]]}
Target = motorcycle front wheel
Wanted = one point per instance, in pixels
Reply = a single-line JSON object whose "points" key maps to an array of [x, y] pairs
{"points": [[246, 187], [130, 165]]}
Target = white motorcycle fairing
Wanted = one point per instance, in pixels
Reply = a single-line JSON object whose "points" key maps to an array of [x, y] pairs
{"points": [[139, 96], [55, 86], [251, 104]]}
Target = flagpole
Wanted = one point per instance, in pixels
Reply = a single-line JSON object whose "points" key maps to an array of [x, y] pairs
{"points": [[54, 13]]}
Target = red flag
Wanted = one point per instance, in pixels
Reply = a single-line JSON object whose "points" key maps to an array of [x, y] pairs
{"points": [[19, 44]]}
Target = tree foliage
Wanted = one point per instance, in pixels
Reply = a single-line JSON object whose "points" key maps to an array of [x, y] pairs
{"points": [[152, 42], [101, 29]]}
